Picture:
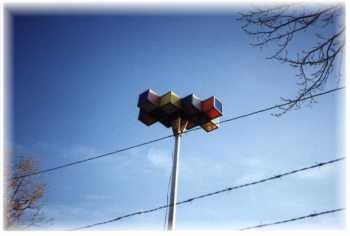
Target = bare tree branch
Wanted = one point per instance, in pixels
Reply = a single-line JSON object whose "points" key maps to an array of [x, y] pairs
{"points": [[281, 25], [23, 208]]}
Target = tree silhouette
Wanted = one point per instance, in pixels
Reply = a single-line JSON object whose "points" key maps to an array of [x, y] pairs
{"points": [[23, 197], [281, 28]]}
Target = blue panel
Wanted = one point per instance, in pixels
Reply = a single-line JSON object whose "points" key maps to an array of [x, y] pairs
{"points": [[218, 105]]}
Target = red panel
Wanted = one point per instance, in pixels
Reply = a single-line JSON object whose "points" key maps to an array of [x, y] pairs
{"points": [[149, 120], [207, 104], [146, 118], [213, 113]]}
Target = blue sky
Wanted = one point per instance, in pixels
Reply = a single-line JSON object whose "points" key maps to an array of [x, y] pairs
{"points": [[76, 81]]}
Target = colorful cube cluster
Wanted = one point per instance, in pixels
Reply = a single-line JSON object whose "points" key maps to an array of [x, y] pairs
{"points": [[169, 107]]}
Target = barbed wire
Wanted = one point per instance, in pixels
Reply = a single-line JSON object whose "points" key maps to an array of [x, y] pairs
{"points": [[166, 137], [293, 219], [228, 189]]}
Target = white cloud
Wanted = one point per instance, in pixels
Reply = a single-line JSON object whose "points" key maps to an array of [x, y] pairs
{"points": [[250, 162], [96, 197], [45, 150], [79, 151], [160, 158]]}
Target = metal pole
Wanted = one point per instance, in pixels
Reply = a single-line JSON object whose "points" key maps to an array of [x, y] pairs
{"points": [[172, 203]]}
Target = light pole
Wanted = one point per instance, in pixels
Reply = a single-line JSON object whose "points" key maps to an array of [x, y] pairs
{"points": [[173, 191], [178, 128], [179, 114]]}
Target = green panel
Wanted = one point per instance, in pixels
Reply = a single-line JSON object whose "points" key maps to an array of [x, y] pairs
{"points": [[170, 98]]}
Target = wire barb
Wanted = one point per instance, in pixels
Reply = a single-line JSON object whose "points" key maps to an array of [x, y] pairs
{"points": [[214, 193], [293, 219]]}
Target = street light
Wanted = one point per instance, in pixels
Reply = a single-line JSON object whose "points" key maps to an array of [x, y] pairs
{"points": [[180, 114]]}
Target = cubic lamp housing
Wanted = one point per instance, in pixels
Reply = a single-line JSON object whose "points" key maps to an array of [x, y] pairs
{"points": [[169, 108]]}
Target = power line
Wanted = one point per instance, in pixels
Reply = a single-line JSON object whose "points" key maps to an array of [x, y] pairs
{"points": [[91, 158], [294, 219], [214, 193], [166, 137], [273, 107]]}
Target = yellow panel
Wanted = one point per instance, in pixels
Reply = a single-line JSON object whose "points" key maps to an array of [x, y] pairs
{"points": [[170, 97]]}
